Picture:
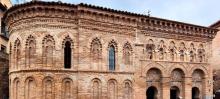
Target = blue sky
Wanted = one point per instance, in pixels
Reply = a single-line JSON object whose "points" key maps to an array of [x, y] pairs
{"points": [[200, 12]]}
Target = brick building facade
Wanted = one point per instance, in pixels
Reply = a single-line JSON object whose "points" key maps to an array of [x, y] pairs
{"points": [[4, 80], [68, 51], [215, 60], [4, 59]]}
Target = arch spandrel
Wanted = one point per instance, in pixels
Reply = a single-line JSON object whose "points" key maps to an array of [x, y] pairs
{"points": [[61, 36], [202, 68], [156, 66], [179, 66]]}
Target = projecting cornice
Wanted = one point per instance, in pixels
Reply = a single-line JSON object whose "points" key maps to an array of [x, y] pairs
{"points": [[82, 11]]}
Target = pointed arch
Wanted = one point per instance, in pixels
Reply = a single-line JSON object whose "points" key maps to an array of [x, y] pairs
{"points": [[150, 49], [182, 50], [127, 53], [192, 54], [30, 51], [172, 50], [112, 50], [162, 50], [201, 53], [67, 39], [114, 44], [17, 52], [67, 45], [96, 49], [48, 50]]}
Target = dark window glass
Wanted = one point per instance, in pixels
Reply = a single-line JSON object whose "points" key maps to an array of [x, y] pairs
{"points": [[67, 55], [112, 58], [3, 48]]}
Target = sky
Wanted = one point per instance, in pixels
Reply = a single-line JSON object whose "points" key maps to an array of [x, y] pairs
{"points": [[199, 12]]}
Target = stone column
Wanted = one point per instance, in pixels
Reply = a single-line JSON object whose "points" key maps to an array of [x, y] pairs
{"points": [[165, 88], [188, 88]]}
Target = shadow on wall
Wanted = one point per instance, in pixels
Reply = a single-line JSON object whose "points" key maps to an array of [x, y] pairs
{"points": [[217, 95]]}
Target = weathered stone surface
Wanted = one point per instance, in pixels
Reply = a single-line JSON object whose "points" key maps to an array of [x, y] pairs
{"points": [[4, 77], [149, 53]]}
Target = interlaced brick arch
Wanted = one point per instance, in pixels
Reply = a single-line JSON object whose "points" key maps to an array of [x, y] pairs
{"points": [[127, 53], [96, 49], [150, 49], [30, 51], [112, 52], [201, 53], [67, 39], [114, 44], [192, 54], [48, 50], [172, 51], [161, 50], [182, 51], [17, 53], [48, 40]]}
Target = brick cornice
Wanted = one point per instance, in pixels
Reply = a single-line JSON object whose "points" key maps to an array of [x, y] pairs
{"points": [[104, 15]]}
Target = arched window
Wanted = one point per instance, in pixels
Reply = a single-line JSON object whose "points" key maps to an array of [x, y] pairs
{"points": [[96, 89], [181, 55], [172, 49], [127, 90], [191, 56], [96, 49], [112, 89], [201, 53], [112, 58], [48, 50], [17, 52], [191, 53], [150, 47], [67, 89], [182, 51], [30, 51], [127, 49], [161, 49], [16, 89], [67, 49], [48, 89], [67, 55], [30, 90]]}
